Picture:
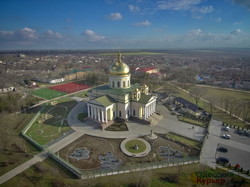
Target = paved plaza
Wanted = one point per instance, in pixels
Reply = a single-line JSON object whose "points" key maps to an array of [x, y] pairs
{"points": [[134, 129]]}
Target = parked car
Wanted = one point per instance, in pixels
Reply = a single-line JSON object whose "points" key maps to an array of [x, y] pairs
{"points": [[222, 149], [226, 136], [227, 128], [222, 160]]}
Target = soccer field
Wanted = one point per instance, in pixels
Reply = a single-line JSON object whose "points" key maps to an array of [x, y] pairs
{"points": [[47, 93]]}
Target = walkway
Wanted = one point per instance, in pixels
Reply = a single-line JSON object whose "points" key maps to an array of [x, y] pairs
{"points": [[41, 156], [208, 151], [135, 129]]}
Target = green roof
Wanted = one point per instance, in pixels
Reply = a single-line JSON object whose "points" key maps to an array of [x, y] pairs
{"points": [[105, 100], [78, 70], [144, 99], [117, 91]]}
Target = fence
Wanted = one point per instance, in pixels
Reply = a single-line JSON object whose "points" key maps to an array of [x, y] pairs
{"points": [[26, 128], [138, 168], [67, 165], [124, 169]]}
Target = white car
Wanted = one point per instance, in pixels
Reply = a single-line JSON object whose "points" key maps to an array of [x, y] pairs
{"points": [[226, 136], [227, 128]]}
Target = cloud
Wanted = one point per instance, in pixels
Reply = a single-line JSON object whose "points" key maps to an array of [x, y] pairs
{"points": [[49, 34], [236, 32], [195, 32], [92, 36], [177, 4], [245, 3], [204, 9], [115, 16], [218, 19], [133, 8], [238, 23], [25, 34], [143, 23]]}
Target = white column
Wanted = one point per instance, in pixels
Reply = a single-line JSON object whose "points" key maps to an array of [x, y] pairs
{"points": [[92, 112], [88, 106], [145, 112], [95, 112], [102, 116], [106, 116], [98, 114]]}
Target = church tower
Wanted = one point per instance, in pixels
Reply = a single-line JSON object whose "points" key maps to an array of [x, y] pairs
{"points": [[119, 76]]}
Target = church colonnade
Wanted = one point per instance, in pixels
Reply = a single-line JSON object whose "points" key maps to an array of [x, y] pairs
{"points": [[149, 109], [99, 113]]}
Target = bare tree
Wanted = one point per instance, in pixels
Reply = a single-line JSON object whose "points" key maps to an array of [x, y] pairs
{"points": [[197, 93], [245, 108]]}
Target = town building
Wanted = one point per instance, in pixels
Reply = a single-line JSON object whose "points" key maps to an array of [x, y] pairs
{"points": [[119, 98]]}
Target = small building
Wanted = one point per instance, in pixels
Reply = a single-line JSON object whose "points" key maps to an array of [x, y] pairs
{"points": [[77, 74], [191, 108], [148, 70]]}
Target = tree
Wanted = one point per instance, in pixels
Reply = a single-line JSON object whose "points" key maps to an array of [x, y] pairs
{"points": [[197, 93]]}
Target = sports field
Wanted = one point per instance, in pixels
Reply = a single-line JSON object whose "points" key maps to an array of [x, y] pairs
{"points": [[59, 90], [47, 93], [69, 87]]}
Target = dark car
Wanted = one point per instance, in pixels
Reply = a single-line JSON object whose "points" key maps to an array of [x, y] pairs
{"points": [[222, 149], [222, 160]]}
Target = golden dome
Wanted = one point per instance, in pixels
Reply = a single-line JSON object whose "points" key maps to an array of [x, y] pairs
{"points": [[119, 68]]}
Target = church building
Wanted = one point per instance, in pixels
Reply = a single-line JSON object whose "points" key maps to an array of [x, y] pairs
{"points": [[119, 98]]}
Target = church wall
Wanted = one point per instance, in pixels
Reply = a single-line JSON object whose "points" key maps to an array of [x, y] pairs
{"points": [[137, 107]]}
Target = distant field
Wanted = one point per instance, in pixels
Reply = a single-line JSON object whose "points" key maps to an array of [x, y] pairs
{"points": [[47, 93], [133, 53]]}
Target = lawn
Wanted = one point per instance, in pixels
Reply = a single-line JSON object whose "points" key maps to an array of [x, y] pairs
{"points": [[217, 114], [130, 146], [117, 126], [183, 140], [51, 123], [47, 93], [188, 120], [82, 116]]}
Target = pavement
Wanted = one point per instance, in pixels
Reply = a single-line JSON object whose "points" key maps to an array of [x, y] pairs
{"points": [[209, 147], [91, 128], [134, 129]]}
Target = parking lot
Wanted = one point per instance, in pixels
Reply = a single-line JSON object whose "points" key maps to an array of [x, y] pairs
{"points": [[238, 147]]}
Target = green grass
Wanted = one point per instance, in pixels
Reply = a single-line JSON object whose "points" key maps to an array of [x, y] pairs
{"points": [[47, 93], [217, 114], [130, 146], [117, 127], [82, 116], [188, 120], [183, 140], [51, 123]]}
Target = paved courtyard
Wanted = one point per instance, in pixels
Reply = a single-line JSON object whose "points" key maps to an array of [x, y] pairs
{"points": [[134, 129]]}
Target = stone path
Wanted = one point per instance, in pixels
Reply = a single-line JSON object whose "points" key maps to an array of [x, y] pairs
{"points": [[208, 152], [135, 129], [41, 156]]}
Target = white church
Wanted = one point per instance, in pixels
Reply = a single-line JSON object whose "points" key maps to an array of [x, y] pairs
{"points": [[120, 99]]}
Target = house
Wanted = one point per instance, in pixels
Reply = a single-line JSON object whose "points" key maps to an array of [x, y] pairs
{"points": [[191, 108]]}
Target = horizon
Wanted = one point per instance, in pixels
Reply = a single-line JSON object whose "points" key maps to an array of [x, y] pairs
{"points": [[115, 24]]}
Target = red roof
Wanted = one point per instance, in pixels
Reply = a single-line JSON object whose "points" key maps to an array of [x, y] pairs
{"points": [[146, 69]]}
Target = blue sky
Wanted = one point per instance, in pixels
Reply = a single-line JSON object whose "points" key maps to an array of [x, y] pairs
{"points": [[124, 24]]}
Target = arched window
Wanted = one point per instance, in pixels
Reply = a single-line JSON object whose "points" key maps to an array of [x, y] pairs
{"points": [[113, 84], [118, 84], [124, 84]]}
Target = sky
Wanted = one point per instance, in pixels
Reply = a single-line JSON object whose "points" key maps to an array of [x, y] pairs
{"points": [[124, 24]]}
